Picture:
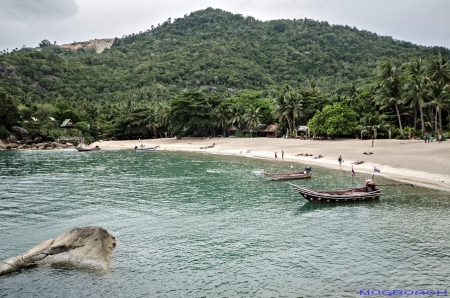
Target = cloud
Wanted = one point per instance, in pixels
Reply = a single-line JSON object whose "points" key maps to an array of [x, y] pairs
{"points": [[29, 11]]}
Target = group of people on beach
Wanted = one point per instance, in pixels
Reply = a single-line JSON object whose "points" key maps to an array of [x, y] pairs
{"points": [[282, 154], [428, 138]]}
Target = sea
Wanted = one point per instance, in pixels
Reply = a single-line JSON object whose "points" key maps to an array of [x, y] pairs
{"points": [[203, 225]]}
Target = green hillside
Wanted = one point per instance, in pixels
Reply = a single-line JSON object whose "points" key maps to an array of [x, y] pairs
{"points": [[211, 48]]}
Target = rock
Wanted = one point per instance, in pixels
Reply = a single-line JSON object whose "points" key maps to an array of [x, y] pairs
{"points": [[19, 132], [12, 139], [37, 140], [11, 146], [69, 145], [29, 142], [39, 88], [79, 247], [2, 147]]}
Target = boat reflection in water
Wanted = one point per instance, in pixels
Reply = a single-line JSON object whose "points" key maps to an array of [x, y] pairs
{"points": [[311, 207]]}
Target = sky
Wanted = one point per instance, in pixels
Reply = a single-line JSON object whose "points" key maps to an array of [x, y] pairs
{"points": [[27, 22]]}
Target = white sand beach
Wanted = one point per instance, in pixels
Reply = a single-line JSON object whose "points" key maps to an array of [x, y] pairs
{"points": [[411, 161]]}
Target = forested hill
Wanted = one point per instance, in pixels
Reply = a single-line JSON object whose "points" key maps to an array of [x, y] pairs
{"points": [[207, 48]]}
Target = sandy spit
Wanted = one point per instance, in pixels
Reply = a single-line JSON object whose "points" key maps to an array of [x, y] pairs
{"points": [[411, 161]]}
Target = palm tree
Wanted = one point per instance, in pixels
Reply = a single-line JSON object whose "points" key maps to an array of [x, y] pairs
{"points": [[162, 115], [294, 107], [440, 100], [289, 106], [415, 93], [389, 91], [353, 94], [416, 88], [222, 114], [152, 121], [438, 70], [237, 115], [253, 118]]}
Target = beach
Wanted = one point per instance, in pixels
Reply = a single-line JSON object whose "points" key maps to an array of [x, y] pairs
{"points": [[408, 161]]}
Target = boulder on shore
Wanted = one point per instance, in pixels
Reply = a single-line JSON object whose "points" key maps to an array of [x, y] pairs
{"points": [[79, 247], [19, 132]]}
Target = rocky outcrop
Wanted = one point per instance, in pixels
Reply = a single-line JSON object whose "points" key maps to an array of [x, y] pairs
{"points": [[99, 45], [29, 145], [37, 140], [79, 247], [6, 70], [19, 132], [39, 88]]}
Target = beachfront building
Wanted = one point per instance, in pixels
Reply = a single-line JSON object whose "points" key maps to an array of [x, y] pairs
{"points": [[271, 131], [68, 123], [302, 131]]}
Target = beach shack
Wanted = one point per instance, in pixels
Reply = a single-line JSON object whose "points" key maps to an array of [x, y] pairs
{"points": [[33, 119], [232, 130], [271, 131], [68, 123], [302, 130]]}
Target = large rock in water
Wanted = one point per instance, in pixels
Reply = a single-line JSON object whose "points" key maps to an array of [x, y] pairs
{"points": [[80, 247]]}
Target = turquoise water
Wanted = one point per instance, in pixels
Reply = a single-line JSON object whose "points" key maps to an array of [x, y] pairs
{"points": [[197, 225]]}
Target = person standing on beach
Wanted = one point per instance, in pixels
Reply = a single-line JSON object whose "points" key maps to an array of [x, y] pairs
{"points": [[275, 155], [282, 154], [340, 159]]}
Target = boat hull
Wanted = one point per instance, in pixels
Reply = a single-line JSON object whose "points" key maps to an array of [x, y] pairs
{"points": [[292, 176], [149, 149], [87, 149], [338, 196]]}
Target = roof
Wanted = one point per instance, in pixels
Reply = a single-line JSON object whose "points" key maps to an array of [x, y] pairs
{"points": [[272, 127], [33, 119], [66, 123], [302, 128], [233, 128]]}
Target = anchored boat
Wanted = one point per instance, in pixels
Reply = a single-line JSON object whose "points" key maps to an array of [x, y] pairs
{"points": [[82, 149], [367, 193], [143, 149], [289, 176]]}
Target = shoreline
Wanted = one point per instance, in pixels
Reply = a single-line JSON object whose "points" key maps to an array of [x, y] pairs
{"points": [[409, 161]]}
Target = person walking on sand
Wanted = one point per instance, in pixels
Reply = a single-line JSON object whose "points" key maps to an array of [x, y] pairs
{"points": [[275, 155], [340, 159], [282, 154]]}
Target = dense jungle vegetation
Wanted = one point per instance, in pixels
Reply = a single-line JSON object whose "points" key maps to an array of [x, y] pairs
{"points": [[199, 74]]}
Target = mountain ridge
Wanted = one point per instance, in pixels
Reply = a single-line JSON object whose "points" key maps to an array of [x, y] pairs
{"points": [[215, 48]]}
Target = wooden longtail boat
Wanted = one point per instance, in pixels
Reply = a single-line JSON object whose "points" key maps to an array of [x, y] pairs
{"points": [[81, 149], [143, 149], [367, 193], [288, 176]]}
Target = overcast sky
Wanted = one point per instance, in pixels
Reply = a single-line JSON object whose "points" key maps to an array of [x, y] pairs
{"points": [[27, 22]]}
